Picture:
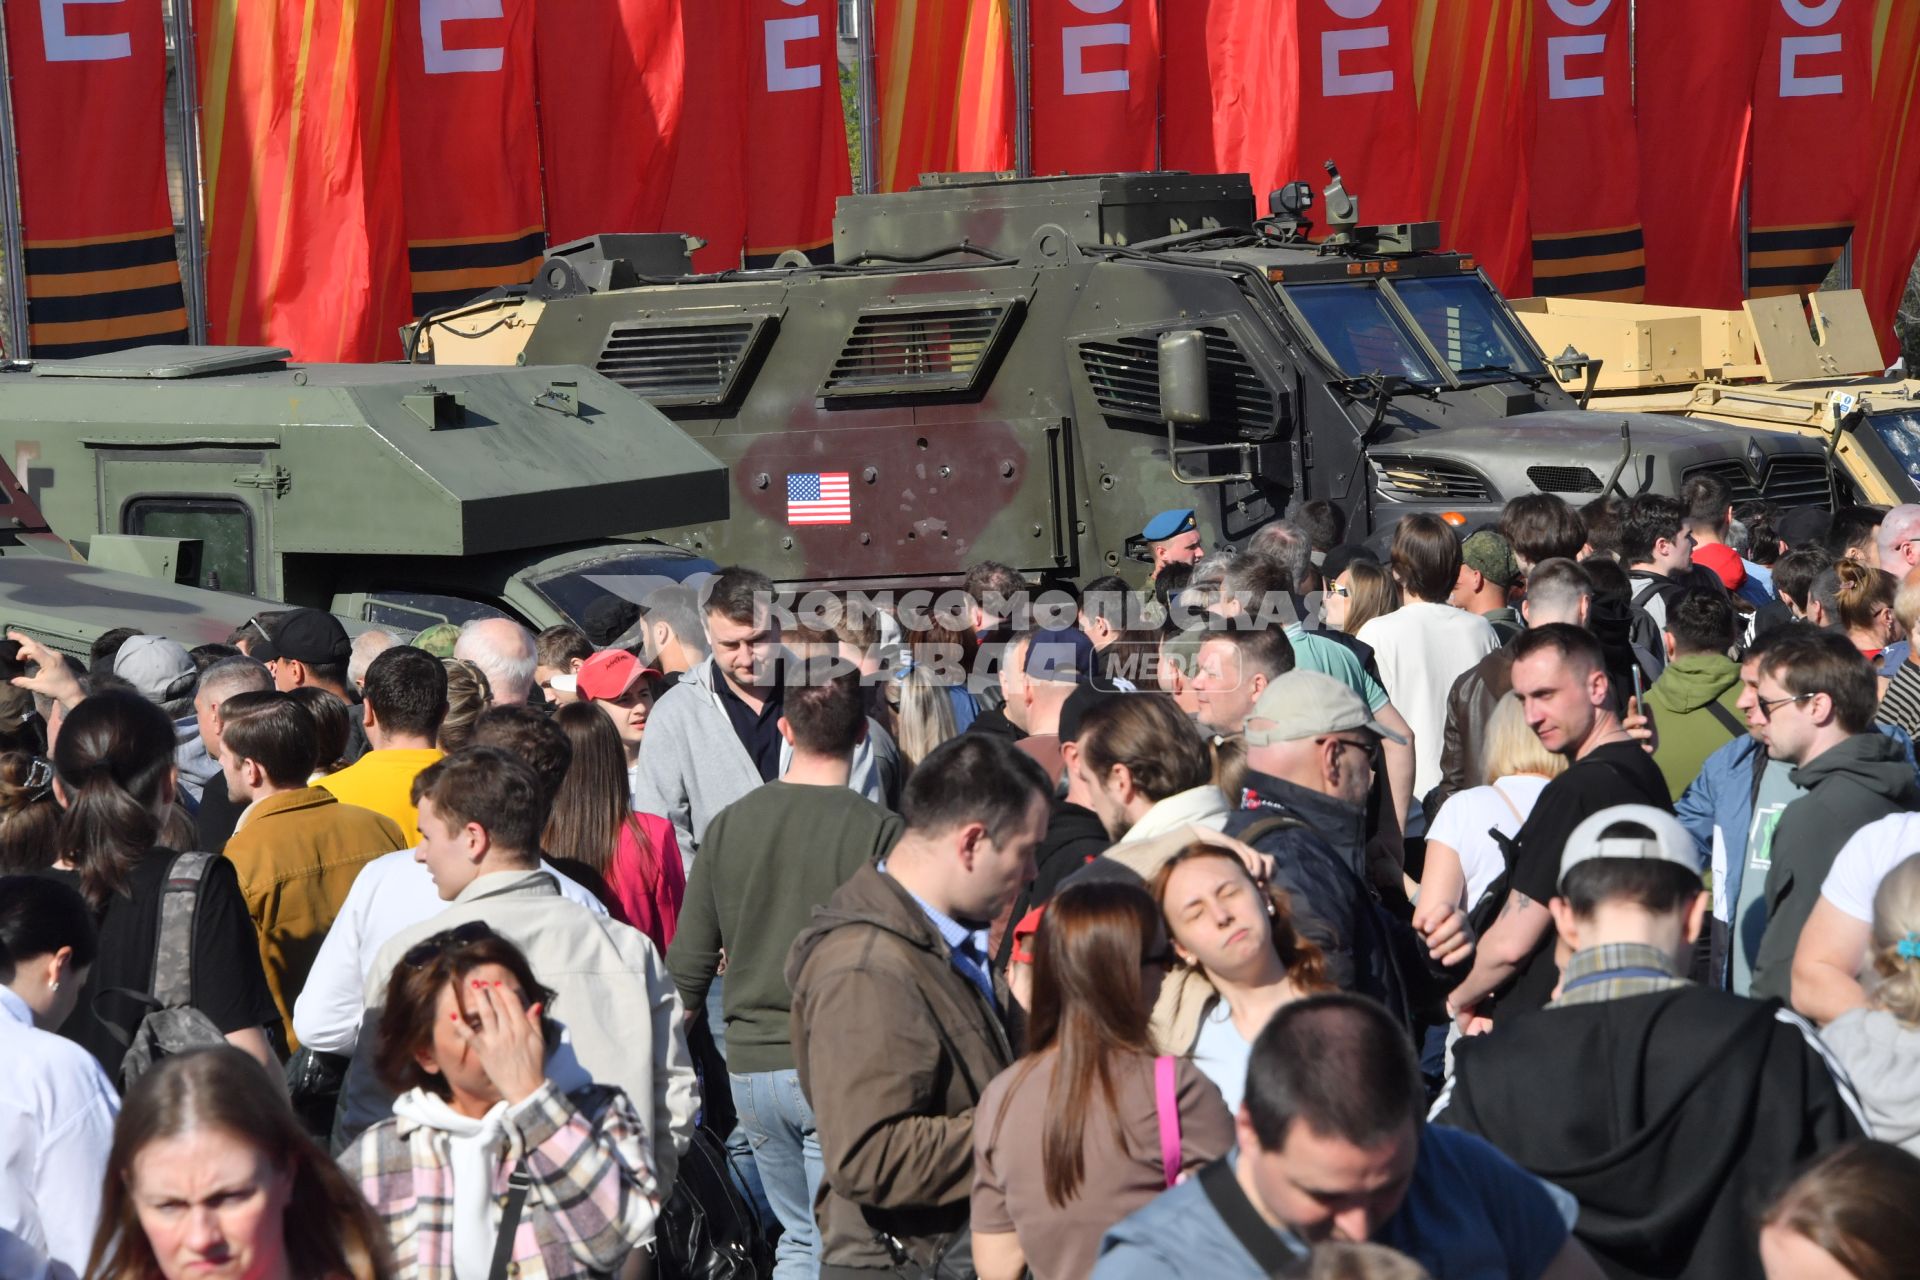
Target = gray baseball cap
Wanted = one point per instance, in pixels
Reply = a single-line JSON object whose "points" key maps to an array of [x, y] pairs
{"points": [[1637, 831], [1306, 704], [158, 667]]}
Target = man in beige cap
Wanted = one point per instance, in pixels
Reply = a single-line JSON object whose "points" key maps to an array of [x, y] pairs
{"points": [[1311, 745]]}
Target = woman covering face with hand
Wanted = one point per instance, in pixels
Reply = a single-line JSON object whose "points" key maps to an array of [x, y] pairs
{"points": [[484, 1160]]}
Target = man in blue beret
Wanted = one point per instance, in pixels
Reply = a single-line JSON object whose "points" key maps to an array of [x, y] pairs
{"points": [[1174, 537]]}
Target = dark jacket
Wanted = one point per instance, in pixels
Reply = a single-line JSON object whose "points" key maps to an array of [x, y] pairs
{"points": [[1074, 838], [894, 1046], [1669, 1117], [1859, 781], [1470, 705]]}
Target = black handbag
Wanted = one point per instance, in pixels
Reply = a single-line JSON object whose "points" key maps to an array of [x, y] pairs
{"points": [[707, 1230]]}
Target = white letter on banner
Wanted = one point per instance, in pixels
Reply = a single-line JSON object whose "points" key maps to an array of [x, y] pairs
{"points": [[1353, 10], [62, 47], [442, 61], [1074, 43], [1810, 16], [1559, 83], [1335, 83], [1575, 14], [1097, 6], [782, 32], [1793, 85]]}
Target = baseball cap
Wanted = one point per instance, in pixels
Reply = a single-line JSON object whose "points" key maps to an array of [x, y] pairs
{"points": [[1803, 526], [438, 639], [161, 669], [609, 674], [1340, 557], [1724, 561], [305, 635], [1169, 523], [1637, 831], [1078, 704], [1490, 554], [1305, 704], [1062, 653]]}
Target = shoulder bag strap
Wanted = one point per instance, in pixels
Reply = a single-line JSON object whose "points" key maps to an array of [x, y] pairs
{"points": [[173, 945], [1248, 1227], [1258, 830], [517, 1186], [1166, 1102], [1728, 721]]}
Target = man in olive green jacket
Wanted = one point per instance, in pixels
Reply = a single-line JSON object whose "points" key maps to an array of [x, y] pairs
{"points": [[1694, 705]]}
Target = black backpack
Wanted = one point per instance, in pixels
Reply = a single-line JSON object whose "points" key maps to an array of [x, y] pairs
{"points": [[1643, 632]]}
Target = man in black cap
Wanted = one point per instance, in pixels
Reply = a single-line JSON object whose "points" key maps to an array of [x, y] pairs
{"points": [[306, 647]]}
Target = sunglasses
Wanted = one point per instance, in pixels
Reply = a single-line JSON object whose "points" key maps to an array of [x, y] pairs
{"points": [[424, 953]]}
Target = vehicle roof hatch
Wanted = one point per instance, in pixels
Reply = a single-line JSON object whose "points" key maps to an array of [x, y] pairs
{"points": [[167, 362]]}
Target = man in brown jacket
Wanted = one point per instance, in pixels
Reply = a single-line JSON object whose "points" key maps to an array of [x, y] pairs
{"points": [[297, 849], [899, 1022]]}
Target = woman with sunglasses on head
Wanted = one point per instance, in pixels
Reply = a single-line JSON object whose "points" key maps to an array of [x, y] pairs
{"points": [[29, 816], [1090, 1124], [1239, 960], [485, 1168]]}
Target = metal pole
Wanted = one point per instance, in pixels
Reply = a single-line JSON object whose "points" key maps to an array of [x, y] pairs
{"points": [[1022, 88], [193, 272], [13, 234], [866, 101]]}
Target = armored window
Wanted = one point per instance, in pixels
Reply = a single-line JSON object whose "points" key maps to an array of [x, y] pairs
{"points": [[920, 349], [1360, 331], [1463, 318], [674, 363], [223, 526], [1124, 375], [418, 610]]}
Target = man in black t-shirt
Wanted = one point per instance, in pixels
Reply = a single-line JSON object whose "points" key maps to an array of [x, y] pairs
{"points": [[1560, 677]]}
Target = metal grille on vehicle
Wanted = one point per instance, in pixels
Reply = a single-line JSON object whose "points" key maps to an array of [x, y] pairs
{"points": [[679, 364], [1406, 479], [1564, 479], [918, 350], [1124, 374], [1790, 481]]}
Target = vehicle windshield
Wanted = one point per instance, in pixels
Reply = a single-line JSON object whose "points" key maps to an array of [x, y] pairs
{"points": [[630, 576], [1463, 318], [1900, 432], [1360, 330]]}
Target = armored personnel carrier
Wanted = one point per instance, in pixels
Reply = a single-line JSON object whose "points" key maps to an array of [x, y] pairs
{"points": [[1808, 369], [1025, 370], [391, 494]]}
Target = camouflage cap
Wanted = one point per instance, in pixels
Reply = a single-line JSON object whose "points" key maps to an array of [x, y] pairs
{"points": [[438, 639], [1492, 555]]}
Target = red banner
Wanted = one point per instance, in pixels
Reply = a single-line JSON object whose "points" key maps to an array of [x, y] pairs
{"points": [[1694, 65], [612, 85], [89, 95], [300, 125], [1888, 237], [985, 143], [1810, 154], [1476, 131], [1585, 209], [943, 88], [1095, 85], [1232, 85], [470, 150], [707, 193], [1358, 102], [796, 128]]}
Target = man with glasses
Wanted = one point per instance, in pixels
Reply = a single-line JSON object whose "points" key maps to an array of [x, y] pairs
{"points": [[1560, 677], [1813, 706]]}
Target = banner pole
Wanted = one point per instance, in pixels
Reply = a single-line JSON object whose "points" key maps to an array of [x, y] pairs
{"points": [[867, 99], [12, 233], [1022, 88], [193, 274]]}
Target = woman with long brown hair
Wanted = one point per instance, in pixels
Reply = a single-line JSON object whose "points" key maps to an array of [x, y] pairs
{"points": [[211, 1175], [1090, 1124], [29, 816], [1849, 1216], [635, 855], [1239, 960]]}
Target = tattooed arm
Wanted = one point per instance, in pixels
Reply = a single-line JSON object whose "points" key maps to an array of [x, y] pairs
{"points": [[1522, 925]]}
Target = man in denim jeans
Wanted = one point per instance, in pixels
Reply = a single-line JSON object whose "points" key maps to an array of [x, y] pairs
{"points": [[766, 861]]}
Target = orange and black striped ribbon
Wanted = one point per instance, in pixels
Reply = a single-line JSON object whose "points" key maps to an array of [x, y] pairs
{"points": [[105, 293], [1794, 260], [1610, 265], [446, 272]]}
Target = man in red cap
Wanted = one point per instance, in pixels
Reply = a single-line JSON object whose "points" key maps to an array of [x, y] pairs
{"points": [[622, 686]]}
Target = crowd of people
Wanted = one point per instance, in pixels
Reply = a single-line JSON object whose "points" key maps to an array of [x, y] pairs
{"points": [[1538, 901]]}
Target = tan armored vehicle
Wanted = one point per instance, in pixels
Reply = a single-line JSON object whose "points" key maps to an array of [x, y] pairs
{"points": [[1769, 368]]}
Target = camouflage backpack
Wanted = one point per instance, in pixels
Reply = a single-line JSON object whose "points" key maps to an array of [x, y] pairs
{"points": [[171, 1025]]}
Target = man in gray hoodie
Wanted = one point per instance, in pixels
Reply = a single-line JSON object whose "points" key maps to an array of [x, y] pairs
{"points": [[715, 735]]}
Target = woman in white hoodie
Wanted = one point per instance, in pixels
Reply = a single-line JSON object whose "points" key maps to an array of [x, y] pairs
{"points": [[1879, 1044], [485, 1162]]}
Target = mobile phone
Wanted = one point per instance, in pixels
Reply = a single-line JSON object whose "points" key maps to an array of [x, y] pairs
{"points": [[1639, 680]]}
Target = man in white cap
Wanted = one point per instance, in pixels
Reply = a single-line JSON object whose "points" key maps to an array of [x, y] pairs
{"points": [[1711, 1100]]}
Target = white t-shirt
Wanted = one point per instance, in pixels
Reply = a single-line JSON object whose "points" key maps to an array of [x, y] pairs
{"points": [[1864, 861], [1465, 819], [1421, 649], [1222, 1055]]}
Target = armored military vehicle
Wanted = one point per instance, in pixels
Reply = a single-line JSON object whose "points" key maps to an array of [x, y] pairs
{"points": [[388, 493], [1025, 370], [1778, 367]]}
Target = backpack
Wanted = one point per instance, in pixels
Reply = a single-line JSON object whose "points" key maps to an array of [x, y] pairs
{"points": [[1643, 632], [171, 1025]]}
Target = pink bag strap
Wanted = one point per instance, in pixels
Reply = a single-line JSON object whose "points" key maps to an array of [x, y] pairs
{"points": [[1166, 1101]]}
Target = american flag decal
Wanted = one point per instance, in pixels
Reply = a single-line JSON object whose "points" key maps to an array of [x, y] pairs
{"points": [[814, 497]]}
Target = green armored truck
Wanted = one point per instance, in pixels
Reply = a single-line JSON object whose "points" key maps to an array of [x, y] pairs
{"points": [[394, 494], [1025, 370]]}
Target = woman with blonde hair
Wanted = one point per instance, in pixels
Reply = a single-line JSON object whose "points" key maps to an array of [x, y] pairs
{"points": [[1464, 855], [1879, 1043], [468, 694], [1365, 590], [211, 1175], [1865, 595]]}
